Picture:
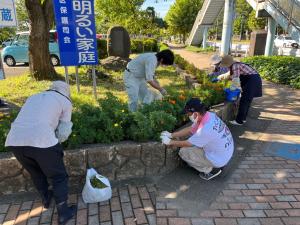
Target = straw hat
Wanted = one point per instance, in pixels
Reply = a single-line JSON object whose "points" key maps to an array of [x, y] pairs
{"points": [[227, 61], [61, 87], [215, 59]]}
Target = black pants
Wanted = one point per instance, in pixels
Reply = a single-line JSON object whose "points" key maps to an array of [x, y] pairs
{"points": [[251, 88], [245, 103], [45, 164]]}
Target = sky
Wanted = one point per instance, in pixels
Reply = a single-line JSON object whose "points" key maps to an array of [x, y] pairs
{"points": [[161, 6]]}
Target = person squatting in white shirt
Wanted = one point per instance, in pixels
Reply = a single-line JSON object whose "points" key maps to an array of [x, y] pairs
{"points": [[210, 144], [42, 124]]}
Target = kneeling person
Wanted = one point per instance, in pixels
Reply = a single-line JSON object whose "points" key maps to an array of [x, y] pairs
{"points": [[210, 145]]}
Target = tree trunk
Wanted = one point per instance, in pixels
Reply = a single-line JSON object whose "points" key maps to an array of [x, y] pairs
{"points": [[41, 18]]}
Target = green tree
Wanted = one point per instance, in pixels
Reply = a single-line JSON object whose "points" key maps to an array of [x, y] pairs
{"points": [[23, 20], [6, 32], [181, 16], [126, 13], [256, 23]]}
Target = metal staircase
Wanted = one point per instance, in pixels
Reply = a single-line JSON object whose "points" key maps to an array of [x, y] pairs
{"points": [[205, 18], [285, 12]]}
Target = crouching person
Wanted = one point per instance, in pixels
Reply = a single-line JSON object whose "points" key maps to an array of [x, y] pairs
{"points": [[34, 138], [210, 144]]}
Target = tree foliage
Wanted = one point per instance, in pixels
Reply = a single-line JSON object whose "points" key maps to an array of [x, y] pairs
{"points": [[23, 20], [126, 13], [256, 23], [181, 16]]}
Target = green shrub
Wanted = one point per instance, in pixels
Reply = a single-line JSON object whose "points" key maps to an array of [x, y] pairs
{"points": [[144, 45], [102, 48], [162, 46], [150, 45], [278, 69], [137, 46], [5, 123]]}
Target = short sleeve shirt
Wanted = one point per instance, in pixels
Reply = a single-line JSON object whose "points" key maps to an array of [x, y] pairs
{"points": [[143, 66], [215, 138], [38, 119]]}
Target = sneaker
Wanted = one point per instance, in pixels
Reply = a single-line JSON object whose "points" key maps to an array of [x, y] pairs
{"points": [[207, 176], [233, 122]]}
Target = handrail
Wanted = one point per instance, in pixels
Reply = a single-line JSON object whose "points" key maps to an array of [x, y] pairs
{"points": [[292, 6]]}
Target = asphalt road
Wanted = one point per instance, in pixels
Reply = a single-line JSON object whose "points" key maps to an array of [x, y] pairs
{"points": [[17, 70]]}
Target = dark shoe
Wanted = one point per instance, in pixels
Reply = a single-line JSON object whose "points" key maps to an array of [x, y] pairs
{"points": [[234, 122], [65, 213], [46, 198], [208, 176]]}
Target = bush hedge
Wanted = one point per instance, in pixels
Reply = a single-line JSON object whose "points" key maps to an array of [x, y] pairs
{"points": [[278, 69]]}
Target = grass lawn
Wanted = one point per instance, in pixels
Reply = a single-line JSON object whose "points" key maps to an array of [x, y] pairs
{"points": [[17, 89], [199, 49]]}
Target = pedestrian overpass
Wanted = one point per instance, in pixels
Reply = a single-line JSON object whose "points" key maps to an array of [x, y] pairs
{"points": [[286, 13]]}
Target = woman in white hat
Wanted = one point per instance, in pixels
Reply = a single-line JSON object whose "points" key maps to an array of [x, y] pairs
{"points": [[43, 122], [250, 81], [215, 62]]}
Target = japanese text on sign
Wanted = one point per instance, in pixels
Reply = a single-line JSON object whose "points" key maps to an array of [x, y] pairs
{"points": [[7, 13], [76, 32]]}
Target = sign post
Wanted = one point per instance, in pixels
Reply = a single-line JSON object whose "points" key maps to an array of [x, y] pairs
{"points": [[75, 24]]}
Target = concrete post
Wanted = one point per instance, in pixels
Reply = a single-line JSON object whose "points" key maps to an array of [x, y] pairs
{"points": [[270, 37], [205, 33], [227, 26]]}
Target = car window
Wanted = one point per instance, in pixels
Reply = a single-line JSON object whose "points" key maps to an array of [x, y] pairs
{"points": [[23, 39]]}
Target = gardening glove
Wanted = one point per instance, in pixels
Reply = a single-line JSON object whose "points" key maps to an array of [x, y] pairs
{"points": [[166, 133], [165, 140], [163, 91], [224, 76]]}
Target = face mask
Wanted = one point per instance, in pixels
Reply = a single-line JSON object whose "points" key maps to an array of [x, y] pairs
{"points": [[193, 119]]}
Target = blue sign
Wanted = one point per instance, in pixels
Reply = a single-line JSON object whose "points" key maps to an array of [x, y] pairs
{"points": [[285, 150], [75, 24]]}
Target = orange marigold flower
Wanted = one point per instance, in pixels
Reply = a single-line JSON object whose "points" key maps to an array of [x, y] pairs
{"points": [[172, 102]]}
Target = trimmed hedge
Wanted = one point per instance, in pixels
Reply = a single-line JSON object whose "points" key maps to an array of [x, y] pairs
{"points": [[278, 69], [137, 46]]}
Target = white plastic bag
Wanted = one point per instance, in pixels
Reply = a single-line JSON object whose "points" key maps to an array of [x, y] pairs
{"points": [[93, 195]]}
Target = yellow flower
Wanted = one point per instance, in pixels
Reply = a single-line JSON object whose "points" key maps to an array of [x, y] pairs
{"points": [[116, 125], [123, 110]]}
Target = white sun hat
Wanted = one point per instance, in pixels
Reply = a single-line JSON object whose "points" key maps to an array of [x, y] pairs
{"points": [[61, 86], [215, 59]]}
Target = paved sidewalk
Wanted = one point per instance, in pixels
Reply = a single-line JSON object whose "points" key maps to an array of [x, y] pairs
{"points": [[261, 188], [130, 205]]}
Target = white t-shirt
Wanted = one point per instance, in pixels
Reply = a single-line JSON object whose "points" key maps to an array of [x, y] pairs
{"points": [[143, 66], [38, 119], [215, 138]]}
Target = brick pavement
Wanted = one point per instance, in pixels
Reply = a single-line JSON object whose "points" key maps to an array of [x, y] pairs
{"points": [[129, 205]]}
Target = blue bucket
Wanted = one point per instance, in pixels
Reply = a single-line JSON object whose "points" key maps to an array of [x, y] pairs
{"points": [[232, 95]]}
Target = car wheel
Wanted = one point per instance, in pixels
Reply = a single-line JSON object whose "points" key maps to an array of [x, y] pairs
{"points": [[10, 61], [54, 60], [295, 45]]}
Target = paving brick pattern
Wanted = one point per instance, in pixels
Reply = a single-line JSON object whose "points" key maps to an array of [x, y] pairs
{"points": [[130, 205]]}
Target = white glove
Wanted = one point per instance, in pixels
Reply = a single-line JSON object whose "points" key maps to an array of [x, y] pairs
{"points": [[63, 131], [224, 76], [165, 140], [166, 133], [163, 92]]}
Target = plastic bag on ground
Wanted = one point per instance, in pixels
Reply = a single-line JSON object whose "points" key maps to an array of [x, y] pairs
{"points": [[91, 194]]}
